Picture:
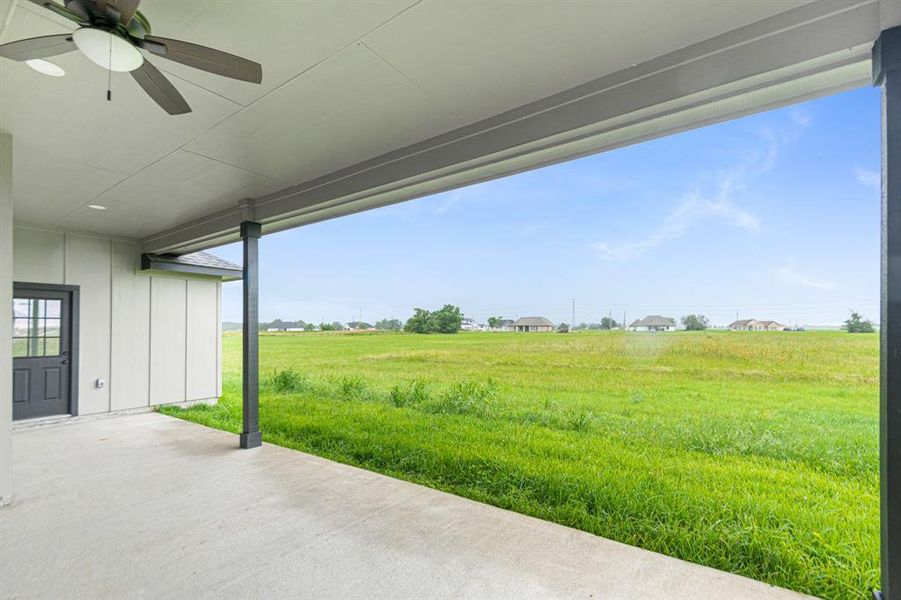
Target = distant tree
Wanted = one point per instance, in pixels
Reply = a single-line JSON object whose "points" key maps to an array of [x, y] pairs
{"points": [[327, 327], [420, 322], [448, 319], [857, 324], [280, 324], [562, 328], [337, 325], [309, 327], [359, 325], [495, 322], [389, 325], [695, 322], [608, 323]]}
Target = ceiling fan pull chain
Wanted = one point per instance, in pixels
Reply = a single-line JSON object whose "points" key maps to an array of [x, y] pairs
{"points": [[109, 73]]}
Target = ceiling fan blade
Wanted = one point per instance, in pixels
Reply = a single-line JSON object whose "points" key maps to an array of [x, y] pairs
{"points": [[203, 58], [61, 10], [38, 47], [160, 89]]}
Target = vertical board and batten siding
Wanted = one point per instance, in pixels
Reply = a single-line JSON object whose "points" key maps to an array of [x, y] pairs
{"points": [[39, 256], [202, 329], [167, 339], [88, 263], [153, 339], [131, 330]]}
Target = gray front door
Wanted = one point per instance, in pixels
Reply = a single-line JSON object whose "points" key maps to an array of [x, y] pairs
{"points": [[42, 352]]}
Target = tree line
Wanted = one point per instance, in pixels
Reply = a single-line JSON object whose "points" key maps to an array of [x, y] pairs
{"points": [[381, 325], [449, 319]]}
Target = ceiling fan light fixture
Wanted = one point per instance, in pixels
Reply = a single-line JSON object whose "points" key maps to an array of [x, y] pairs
{"points": [[107, 50], [46, 67]]}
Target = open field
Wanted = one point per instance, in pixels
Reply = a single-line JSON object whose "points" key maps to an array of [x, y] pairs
{"points": [[755, 453]]}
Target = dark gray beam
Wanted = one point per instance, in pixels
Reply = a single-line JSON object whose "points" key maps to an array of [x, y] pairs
{"points": [[250, 433], [887, 73]]}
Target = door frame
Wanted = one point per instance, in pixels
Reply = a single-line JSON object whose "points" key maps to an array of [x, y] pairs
{"points": [[73, 291]]}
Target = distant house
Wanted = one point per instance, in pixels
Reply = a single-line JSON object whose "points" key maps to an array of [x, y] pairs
{"points": [[505, 325], [528, 324], [471, 325], [653, 323], [756, 325]]}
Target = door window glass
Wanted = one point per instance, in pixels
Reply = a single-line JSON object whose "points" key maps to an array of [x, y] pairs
{"points": [[36, 327]]}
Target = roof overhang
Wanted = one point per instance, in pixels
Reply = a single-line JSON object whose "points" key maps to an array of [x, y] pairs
{"points": [[199, 264], [817, 49], [365, 104]]}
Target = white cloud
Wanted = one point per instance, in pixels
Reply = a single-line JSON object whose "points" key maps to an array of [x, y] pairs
{"points": [[868, 178], [685, 216], [800, 116], [695, 208], [789, 275]]}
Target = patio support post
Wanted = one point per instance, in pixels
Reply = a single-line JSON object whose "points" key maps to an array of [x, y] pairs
{"points": [[6, 321], [887, 74], [250, 434]]}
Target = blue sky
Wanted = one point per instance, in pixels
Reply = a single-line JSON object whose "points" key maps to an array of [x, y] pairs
{"points": [[773, 216]]}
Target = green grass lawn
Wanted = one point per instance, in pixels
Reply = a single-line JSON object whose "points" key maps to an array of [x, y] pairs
{"points": [[755, 453]]}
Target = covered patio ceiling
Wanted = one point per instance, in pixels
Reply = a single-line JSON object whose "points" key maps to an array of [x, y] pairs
{"points": [[369, 103]]}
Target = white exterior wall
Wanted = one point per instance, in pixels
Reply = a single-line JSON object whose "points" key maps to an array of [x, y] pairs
{"points": [[6, 331], [153, 339]]}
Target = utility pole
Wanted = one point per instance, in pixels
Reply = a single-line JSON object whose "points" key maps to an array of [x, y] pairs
{"points": [[624, 320], [573, 323]]}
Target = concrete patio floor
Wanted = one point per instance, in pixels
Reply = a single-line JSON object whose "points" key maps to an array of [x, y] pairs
{"points": [[150, 506]]}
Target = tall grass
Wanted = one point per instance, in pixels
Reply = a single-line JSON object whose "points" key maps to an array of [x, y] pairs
{"points": [[288, 380], [753, 453]]}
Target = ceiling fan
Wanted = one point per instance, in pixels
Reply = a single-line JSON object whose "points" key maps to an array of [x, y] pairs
{"points": [[111, 33]]}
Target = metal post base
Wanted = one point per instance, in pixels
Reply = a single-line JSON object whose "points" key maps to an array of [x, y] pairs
{"points": [[254, 439]]}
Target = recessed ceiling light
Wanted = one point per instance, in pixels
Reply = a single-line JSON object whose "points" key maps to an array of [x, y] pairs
{"points": [[96, 207], [45, 67]]}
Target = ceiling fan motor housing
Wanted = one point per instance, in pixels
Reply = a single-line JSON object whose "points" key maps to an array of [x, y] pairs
{"points": [[97, 14]]}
